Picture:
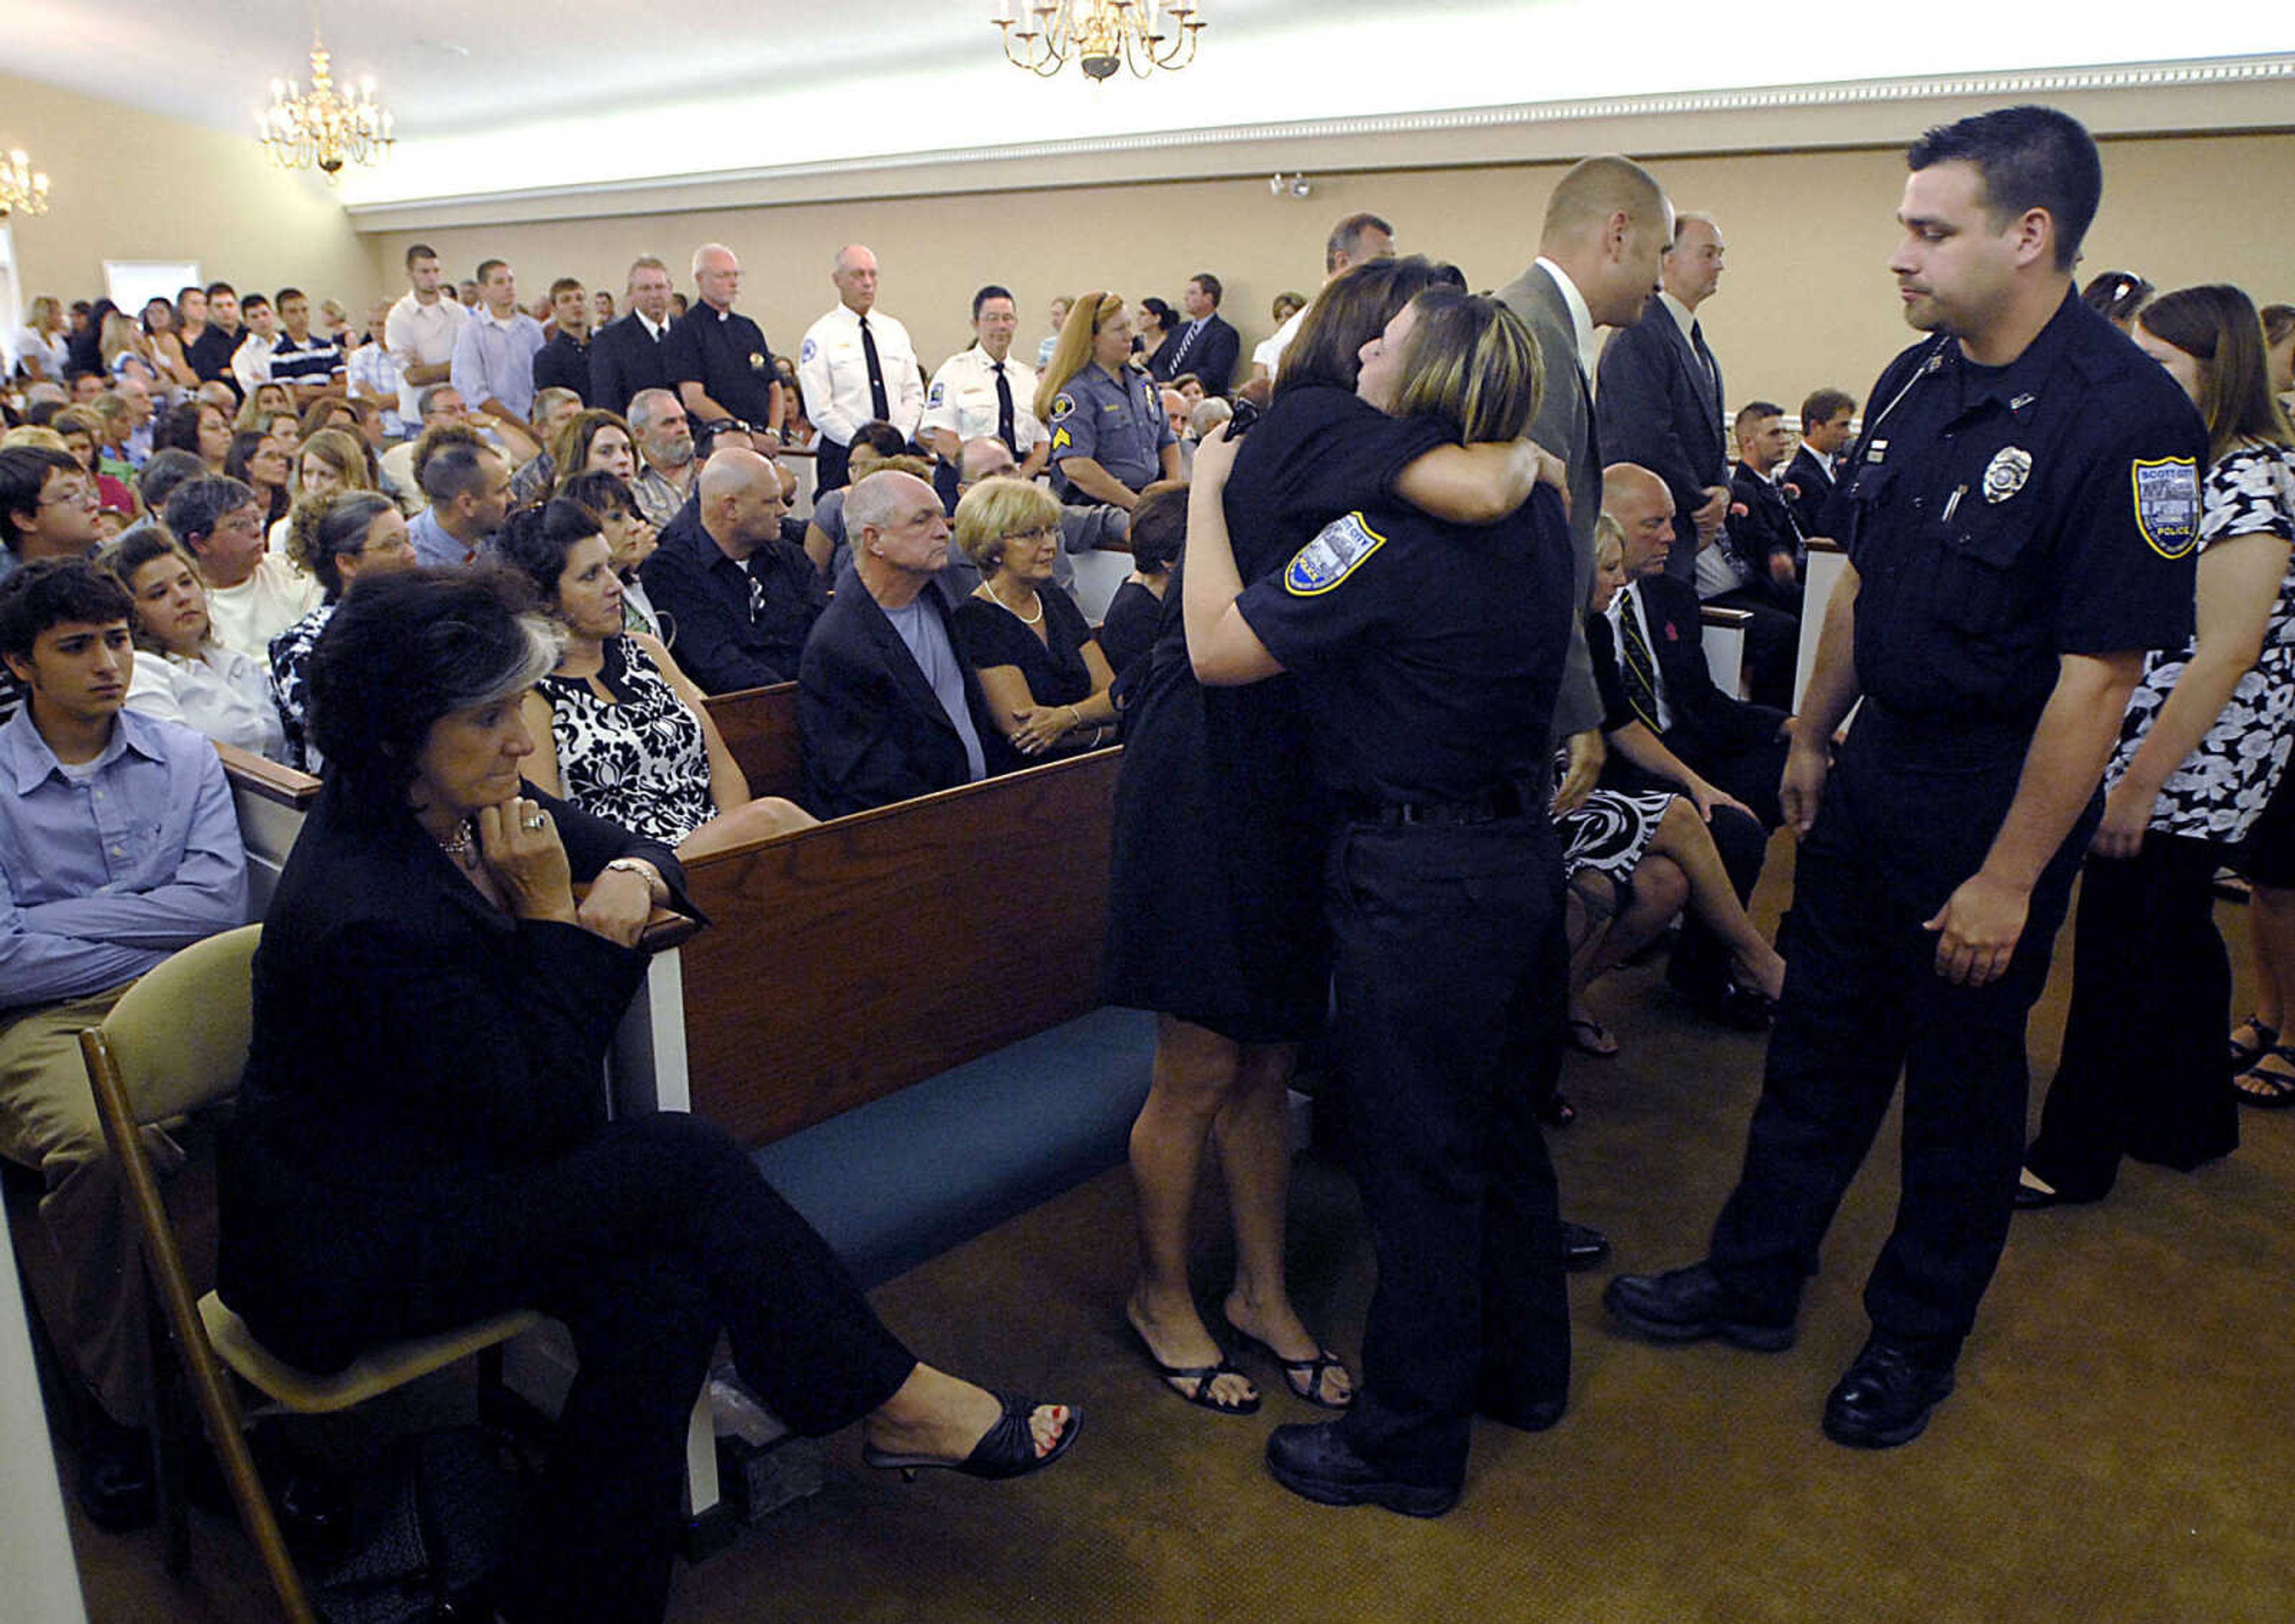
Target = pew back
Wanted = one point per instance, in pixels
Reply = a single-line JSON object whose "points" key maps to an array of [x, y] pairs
{"points": [[271, 801], [759, 725]]}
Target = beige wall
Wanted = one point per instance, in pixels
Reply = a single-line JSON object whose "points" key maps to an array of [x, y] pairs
{"points": [[1806, 298], [133, 186]]}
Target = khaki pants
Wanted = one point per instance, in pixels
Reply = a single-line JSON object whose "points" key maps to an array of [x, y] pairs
{"points": [[97, 1314]]}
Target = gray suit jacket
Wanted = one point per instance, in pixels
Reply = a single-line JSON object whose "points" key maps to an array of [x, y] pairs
{"points": [[1661, 409], [1565, 426]]}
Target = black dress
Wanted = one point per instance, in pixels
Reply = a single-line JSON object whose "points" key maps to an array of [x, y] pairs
{"points": [[990, 634], [1127, 634], [1215, 903]]}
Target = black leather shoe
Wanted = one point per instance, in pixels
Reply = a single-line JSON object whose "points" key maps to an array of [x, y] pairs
{"points": [[1740, 1009], [1582, 1246], [1312, 1460], [1884, 1397], [2030, 1198], [1687, 1304], [116, 1486]]}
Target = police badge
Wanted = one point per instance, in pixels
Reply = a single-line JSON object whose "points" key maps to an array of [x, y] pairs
{"points": [[1331, 557], [2167, 503], [2006, 474], [756, 361]]}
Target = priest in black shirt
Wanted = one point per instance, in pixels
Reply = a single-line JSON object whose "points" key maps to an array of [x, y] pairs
{"points": [[718, 358]]}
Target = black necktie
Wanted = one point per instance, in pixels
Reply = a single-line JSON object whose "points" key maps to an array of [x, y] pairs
{"points": [[879, 405], [1006, 430], [1638, 670], [1712, 369]]}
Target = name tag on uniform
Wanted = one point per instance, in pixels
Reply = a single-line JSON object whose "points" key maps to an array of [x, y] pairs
{"points": [[2167, 503], [1331, 557]]}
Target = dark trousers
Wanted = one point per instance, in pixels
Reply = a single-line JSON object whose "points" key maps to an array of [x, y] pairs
{"points": [[1444, 945], [1772, 643], [1862, 1002], [646, 1242], [829, 465], [2142, 1069]]}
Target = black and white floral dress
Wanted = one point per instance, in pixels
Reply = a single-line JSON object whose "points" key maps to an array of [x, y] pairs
{"points": [[639, 760], [2223, 785], [290, 657]]}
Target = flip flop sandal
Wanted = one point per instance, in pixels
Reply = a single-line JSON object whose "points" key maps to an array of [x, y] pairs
{"points": [[1304, 1377], [2268, 1091]]}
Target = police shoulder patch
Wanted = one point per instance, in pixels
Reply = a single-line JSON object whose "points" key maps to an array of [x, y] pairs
{"points": [[2167, 493], [811, 347], [1331, 557], [939, 394], [1063, 405]]}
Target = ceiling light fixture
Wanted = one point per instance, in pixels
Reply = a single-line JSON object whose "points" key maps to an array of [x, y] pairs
{"points": [[1101, 36], [324, 127], [23, 190]]}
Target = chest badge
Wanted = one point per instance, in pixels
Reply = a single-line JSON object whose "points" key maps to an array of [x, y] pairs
{"points": [[1331, 557], [2168, 503], [2006, 474]]}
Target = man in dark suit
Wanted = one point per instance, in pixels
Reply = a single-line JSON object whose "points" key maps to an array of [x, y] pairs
{"points": [[885, 707], [1661, 396], [1738, 747], [1758, 566], [626, 358], [1204, 343], [1825, 420]]}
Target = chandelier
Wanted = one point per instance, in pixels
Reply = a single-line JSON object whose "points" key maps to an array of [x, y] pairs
{"points": [[1100, 36], [22, 188], [324, 127]]}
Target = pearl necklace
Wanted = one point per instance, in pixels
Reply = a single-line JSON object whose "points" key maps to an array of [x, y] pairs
{"points": [[1037, 620]]}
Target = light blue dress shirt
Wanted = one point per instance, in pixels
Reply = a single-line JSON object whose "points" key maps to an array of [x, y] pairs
{"points": [[494, 362]]}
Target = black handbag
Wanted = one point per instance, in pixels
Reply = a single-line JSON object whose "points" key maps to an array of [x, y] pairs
{"points": [[430, 1534]]}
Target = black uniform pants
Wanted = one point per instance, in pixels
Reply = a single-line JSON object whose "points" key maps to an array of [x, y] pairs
{"points": [[1445, 944], [1863, 1002], [830, 461], [2142, 1069]]}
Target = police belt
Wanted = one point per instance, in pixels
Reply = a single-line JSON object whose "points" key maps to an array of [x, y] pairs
{"points": [[1515, 798]]}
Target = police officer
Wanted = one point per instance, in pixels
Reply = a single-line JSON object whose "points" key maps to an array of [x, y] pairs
{"points": [[1110, 438], [1428, 658], [718, 358], [2020, 515], [984, 393]]}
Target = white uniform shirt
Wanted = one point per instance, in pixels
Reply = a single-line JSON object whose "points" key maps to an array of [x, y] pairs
{"points": [[421, 335], [833, 370], [963, 399]]}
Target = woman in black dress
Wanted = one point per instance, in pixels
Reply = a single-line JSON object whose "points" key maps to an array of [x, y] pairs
{"points": [[1045, 679], [1214, 920]]}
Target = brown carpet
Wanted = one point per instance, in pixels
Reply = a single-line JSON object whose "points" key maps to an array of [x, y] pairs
{"points": [[2118, 1448]]}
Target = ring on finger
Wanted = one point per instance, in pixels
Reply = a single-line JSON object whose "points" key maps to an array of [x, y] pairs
{"points": [[534, 820]]}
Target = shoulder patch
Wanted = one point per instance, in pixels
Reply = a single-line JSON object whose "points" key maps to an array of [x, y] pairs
{"points": [[1331, 557], [1063, 405], [2167, 492], [811, 349], [939, 394]]}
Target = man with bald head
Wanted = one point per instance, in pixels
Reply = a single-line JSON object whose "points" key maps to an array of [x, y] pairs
{"points": [[886, 710], [718, 358], [743, 598], [1660, 395], [856, 366], [1656, 627]]}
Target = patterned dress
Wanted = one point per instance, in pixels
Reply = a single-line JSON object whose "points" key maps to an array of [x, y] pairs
{"points": [[1611, 831], [640, 759], [291, 655], [2223, 785]]}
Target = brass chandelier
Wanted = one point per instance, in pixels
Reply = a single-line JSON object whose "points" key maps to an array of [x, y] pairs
{"points": [[1100, 36], [23, 190], [325, 126]]}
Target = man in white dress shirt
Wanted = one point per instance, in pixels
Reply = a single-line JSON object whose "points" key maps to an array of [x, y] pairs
{"points": [[857, 366], [985, 394], [420, 331]]}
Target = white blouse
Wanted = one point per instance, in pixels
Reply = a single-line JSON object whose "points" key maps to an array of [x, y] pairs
{"points": [[223, 694]]}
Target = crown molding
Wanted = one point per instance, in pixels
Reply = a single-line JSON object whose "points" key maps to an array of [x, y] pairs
{"points": [[2215, 95]]}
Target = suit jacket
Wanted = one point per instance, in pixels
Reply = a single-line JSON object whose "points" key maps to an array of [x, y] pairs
{"points": [[1659, 407], [1211, 358], [1706, 724], [870, 727], [1765, 530], [624, 359], [1565, 426], [410, 1038], [1808, 488]]}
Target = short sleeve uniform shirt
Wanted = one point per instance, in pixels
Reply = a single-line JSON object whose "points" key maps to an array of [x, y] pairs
{"points": [[1117, 421]]}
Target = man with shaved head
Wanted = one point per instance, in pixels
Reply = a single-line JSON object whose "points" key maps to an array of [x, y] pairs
{"points": [[1661, 393], [743, 599], [885, 708], [718, 358], [857, 366]]}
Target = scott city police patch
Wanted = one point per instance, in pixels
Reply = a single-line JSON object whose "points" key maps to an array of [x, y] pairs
{"points": [[1331, 557], [2006, 474], [2167, 492]]}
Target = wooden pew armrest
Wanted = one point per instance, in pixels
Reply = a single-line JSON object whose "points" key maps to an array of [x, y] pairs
{"points": [[1726, 619], [283, 786]]}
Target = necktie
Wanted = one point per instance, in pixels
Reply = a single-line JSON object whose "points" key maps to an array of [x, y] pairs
{"points": [[1006, 430], [879, 407], [1712, 368], [1187, 343], [1638, 669]]}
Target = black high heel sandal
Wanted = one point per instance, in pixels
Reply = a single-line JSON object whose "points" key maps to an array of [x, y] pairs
{"points": [[1007, 1449]]}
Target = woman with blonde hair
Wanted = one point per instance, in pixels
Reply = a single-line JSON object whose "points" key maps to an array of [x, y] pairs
{"points": [[43, 347], [127, 351], [329, 461], [1046, 681], [1111, 439]]}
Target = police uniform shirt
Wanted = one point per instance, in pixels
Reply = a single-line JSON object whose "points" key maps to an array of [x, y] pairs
{"points": [[2002, 516], [962, 400], [833, 369], [1119, 423], [725, 352], [1428, 654]]}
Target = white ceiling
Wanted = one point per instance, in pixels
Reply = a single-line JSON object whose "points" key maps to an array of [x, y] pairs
{"points": [[524, 94]]}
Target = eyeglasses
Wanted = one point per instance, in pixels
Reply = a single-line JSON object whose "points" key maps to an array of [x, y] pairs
{"points": [[1050, 532], [72, 491]]}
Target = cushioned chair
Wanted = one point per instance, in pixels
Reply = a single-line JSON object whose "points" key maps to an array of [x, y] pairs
{"points": [[174, 1045]]}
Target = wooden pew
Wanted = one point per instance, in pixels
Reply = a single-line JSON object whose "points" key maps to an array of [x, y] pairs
{"points": [[760, 728], [271, 801], [1723, 641], [1826, 561]]}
